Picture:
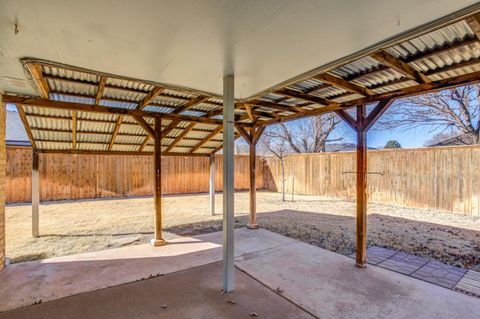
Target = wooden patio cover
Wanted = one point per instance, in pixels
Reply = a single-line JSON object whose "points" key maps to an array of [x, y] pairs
{"points": [[85, 111]]}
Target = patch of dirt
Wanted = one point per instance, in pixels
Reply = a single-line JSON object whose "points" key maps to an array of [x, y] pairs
{"points": [[74, 227]]}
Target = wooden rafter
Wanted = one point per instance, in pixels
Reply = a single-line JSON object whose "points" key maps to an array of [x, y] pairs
{"points": [[150, 97], [344, 84], [350, 121], [41, 83], [118, 123], [23, 118], [180, 137], [170, 127], [474, 23], [141, 121], [100, 89], [74, 130], [280, 107], [191, 103], [144, 143], [104, 109], [400, 66], [244, 133], [207, 139]]}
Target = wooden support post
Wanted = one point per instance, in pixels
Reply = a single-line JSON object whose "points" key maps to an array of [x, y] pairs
{"points": [[361, 225], [158, 240], [228, 182], [35, 195], [212, 185], [253, 140], [253, 188]]}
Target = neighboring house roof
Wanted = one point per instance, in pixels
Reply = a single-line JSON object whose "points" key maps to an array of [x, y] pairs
{"points": [[343, 147], [15, 131], [460, 139]]}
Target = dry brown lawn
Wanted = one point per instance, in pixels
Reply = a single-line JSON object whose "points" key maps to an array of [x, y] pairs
{"points": [[73, 227]]}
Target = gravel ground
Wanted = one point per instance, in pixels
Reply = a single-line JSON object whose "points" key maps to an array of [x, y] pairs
{"points": [[73, 227]]}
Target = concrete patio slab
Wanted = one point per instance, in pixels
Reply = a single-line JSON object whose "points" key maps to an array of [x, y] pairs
{"points": [[54, 278], [192, 293], [329, 286]]}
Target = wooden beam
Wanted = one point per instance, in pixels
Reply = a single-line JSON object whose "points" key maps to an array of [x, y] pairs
{"points": [[258, 134], [207, 139], [341, 83], [23, 118], [248, 109], [347, 118], [104, 109], [474, 24], [180, 137], [144, 143], [400, 66], [141, 121], [35, 194], [169, 128], [74, 130], [158, 238], [361, 223], [92, 152], [150, 97], [100, 89], [189, 104], [37, 75], [375, 114], [115, 131], [244, 133]]}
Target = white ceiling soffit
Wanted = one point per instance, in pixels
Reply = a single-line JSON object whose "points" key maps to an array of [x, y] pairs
{"points": [[193, 43]]}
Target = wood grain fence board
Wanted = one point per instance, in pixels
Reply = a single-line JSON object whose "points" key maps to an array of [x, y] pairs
{"points": [[67, 176], [443, 179]]}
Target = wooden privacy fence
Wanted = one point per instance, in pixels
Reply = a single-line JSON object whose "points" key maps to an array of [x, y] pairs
{"points": [[66, 176], [440, 179]]}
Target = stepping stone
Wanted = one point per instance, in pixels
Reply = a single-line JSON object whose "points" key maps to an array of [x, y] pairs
{"points": [[440, 274], [470, 283], [376, 255], [404, 263]]}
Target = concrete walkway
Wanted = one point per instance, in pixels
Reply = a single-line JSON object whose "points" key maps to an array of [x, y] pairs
{"points": [[323, 283]]}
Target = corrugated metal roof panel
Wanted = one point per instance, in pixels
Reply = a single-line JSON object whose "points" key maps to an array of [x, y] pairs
{"points": [[355, 67], [159, 109], [134, 85], [125, 148], [187, 143], [181, 150], [126, 139], [395, 86], [456, 72], [72, 87], [117, 104], [328, 92], [98, 138], [175, 93], [148, 148], [131, 129], [95, 127], [115, 93], [197, 134], [379, 77], [165, 141], [46, 111], [174, 133], [206, 126], [168, 101], [92, 147], [72, 99], [69, 74], [97, 116], [40, 122], [203, 151], [212, 144], [52, 136], [192, 113], [307, 85]]}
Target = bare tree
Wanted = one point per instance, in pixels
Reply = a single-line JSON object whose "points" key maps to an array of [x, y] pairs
{"points": [[307, 136], [454, 110]]}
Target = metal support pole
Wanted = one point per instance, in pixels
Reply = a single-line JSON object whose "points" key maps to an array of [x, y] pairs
{"points": [[158, 240], [35, 195], [212, 185], [361, 225], [228, 182]]}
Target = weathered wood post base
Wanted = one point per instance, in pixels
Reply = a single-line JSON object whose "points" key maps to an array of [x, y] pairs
{"points": [[35, 195]]}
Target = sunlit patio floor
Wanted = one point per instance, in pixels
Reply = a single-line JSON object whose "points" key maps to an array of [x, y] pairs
{"points": [[276, 277]]}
